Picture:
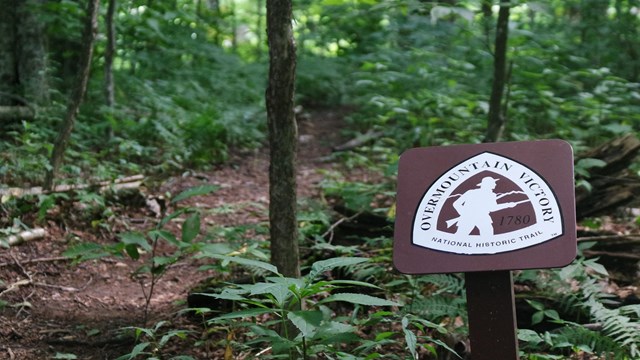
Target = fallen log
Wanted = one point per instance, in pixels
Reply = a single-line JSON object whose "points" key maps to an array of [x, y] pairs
{"points": [[130, 182], [612, 185], [25, 236], [359, 141]]}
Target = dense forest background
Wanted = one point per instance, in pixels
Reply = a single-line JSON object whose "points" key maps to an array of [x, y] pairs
{"points": [[178, 86]]}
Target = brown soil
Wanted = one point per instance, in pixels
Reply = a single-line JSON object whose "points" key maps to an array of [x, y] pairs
{"points": [[56, 308]]}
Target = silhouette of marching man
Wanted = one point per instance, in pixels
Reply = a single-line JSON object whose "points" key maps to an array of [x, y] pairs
{"points": [[476, 205]]}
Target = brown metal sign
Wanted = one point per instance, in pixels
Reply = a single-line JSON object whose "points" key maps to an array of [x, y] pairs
{"points": [[485, 207]]}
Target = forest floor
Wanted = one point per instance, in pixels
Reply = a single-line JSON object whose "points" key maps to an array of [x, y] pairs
{"points": [[57, 309], [53, 308]]}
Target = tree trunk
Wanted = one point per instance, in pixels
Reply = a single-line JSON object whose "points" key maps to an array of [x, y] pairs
{"points": [[282, 138], [8, 72], [109, 53], [77, 93], [32, 61], [497, 118], [23, 59]]}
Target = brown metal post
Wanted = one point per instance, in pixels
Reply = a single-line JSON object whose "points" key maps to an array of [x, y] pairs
{"points": [[492, 316]]}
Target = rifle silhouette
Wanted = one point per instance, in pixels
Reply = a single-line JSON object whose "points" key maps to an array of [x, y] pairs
{"points": [[454, 221]]}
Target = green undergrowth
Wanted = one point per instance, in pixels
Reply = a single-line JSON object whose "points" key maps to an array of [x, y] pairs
{"points": [[350, 303]]}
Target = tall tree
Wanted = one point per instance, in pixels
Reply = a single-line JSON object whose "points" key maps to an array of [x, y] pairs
{"points": [[23, 60], [282, 138], [109, 54], [497, 116], [77, 93]]}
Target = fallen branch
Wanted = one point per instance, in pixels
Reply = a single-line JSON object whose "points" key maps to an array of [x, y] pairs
{"points": [[359, 141], [130, 182], [15, 285], [612, 239], [25, 236], [337, 223], [612, 254], [57, 258]]}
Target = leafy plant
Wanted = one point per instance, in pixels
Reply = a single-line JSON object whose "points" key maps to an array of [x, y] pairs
{"points": [[618, 336], [133, 244], [304, 310], [151, 342]]}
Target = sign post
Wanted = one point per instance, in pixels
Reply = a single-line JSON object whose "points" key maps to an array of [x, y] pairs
{"points": [[484, 210], [492, 318]]}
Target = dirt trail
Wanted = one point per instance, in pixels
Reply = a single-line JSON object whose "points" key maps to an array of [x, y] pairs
{"points": [[58, 308]]}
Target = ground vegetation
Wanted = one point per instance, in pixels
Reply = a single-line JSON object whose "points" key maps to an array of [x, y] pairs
{"points": [[152, 241]]}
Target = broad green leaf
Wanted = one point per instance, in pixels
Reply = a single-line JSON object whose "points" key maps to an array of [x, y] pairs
{"points": [[195, 191], [243, 314], [568, 271], [598, 268], [535, 304], [132, 251], [552, 314], [137, 350], [215, 249], [164, 234], [537, 317], [290, 283], [246, 262], [225, 295], [360, 299], [182, 334], [529, 336], [280, 292], [333, 327], [165, 220], [191, 227], [409, 337], [383, 335], [135, 238], [350, 283], [164, 260], [306, 321], [87, 250]]}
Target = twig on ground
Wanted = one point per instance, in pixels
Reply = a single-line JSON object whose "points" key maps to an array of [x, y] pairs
{"points": [[15, 285], [65, 288], [24, 271], [337, 223], [12, 356], [31, 261], [612, 238], [612, 254]]}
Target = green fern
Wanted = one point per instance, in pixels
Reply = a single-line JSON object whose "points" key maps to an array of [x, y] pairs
{"points": [[579, 337], [621, 328], [436, 308]]}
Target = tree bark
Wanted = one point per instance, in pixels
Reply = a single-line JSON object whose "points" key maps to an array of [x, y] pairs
{"points": [[23, 59], [8, 71], [32, 60], [497, 119], [77, 93], [109, 53], [282, 138]]}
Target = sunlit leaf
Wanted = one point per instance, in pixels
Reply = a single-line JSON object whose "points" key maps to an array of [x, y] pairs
{"points": [[195, 191]]}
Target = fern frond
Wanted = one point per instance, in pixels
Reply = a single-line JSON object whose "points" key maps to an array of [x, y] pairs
{"points": [[579, 336]]}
